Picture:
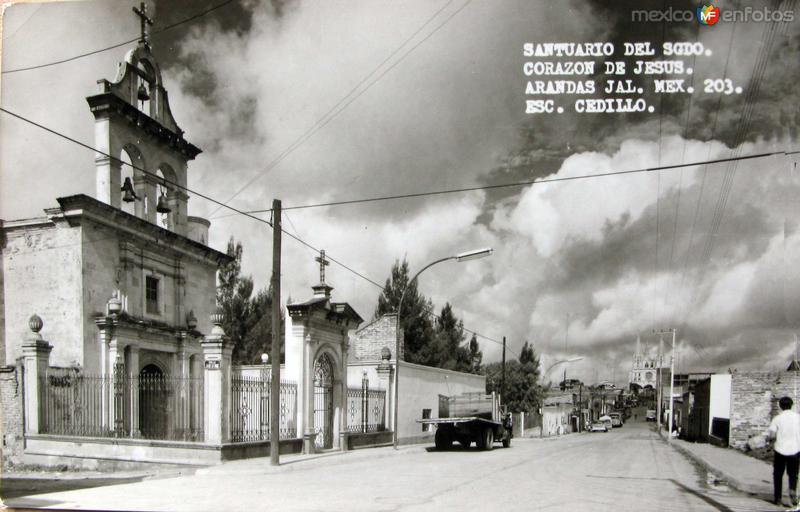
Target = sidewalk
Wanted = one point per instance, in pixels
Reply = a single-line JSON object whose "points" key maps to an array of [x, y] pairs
{"points": [[743, 473]]}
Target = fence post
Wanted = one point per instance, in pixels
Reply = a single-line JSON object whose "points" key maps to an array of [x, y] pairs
{"points": [[36, 359], [217, 374], [386, 379], [364, 401]]}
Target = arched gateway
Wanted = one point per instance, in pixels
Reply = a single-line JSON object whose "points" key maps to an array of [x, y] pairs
{"points": [[316, 358]]}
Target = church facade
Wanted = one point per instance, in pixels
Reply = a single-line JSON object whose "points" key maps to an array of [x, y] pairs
{"points": [[121, 282], [645, 369]]}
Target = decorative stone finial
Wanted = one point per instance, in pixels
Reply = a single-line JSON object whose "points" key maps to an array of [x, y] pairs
{"points": [[191, 320], [114, 304], [217, 317], [35, 323], [386, 354]]}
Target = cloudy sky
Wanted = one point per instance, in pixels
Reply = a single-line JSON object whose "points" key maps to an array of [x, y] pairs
{"points": [[319, 101]]}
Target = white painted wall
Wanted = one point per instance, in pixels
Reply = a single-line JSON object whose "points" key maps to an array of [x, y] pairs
{"points": [[720, 406], [420, 387]]}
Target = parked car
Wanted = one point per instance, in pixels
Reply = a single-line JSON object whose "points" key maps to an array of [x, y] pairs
{"points": [[607, 420], [616, 419], [599, 426], [651, 415]]}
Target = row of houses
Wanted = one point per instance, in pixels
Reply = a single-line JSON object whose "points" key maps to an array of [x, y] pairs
{"points": [[725, 409]]}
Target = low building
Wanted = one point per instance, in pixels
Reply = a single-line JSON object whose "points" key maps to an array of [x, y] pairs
{"points": [[371, 357]]}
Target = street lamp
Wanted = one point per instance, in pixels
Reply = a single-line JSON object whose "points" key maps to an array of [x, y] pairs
{"points": [[571, 360], [464, 256]]}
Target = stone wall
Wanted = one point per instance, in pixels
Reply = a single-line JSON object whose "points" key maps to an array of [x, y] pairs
{"points": [[42, 274], [367, 342], [11, 419], [754, 402]]}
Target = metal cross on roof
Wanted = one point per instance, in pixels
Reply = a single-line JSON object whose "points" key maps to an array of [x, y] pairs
{"points": [[322, 264], [142, 13]]}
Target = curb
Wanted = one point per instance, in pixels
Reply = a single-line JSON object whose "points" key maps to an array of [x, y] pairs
{"points": [[729, 479]]}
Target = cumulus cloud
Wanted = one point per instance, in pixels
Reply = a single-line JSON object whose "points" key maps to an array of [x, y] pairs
{"points": [[580, 267]]}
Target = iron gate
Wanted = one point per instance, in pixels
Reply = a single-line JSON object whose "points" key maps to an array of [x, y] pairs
{"points": [[323, 402]]}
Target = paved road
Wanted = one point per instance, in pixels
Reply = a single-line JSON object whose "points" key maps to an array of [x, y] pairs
{"points": [[627, 469]]}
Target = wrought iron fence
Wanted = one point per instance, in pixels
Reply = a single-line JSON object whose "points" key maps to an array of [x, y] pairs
{"points": [[366, 409], [250, 408], [151, 406]]}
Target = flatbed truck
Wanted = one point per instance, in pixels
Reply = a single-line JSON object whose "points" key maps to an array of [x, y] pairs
{"points": [[468, 418]]}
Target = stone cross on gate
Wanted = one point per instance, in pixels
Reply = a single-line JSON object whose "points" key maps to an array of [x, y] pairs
{"points": [[322, 264], [141, 12]]}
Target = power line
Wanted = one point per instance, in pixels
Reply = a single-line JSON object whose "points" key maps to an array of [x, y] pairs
{"points": [[101, 50], [524, 183], [332, 113], [208, 198]]}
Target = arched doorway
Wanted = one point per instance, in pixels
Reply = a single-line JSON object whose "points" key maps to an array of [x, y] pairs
{"points": [[153, 403], [323, 402]]}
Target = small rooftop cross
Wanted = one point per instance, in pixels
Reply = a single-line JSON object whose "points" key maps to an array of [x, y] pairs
{"points": [[141, 11], [322, 264]]}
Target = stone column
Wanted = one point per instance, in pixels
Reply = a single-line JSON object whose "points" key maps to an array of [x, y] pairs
{"points": [[217, 375], [307, 408], [183, 393], [151, 193], [133, 372], [386, 379], [111, 362], [36, 358], [107, 170]]}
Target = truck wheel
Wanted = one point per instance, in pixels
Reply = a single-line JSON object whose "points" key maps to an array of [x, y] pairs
{"points": [[488, 439], [443, 439], [506, 439]]}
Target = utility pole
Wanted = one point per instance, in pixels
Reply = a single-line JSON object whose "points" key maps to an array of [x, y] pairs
{"points": [[566, 345], [503, 375], [670, 425], [275, 383], [658, 381]]}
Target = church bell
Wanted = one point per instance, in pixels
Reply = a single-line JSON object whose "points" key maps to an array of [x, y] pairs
{"points": [[130, 194], [162, 206], [142, 93]]}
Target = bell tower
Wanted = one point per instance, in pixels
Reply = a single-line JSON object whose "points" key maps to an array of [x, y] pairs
{"points": [[133, 121]]}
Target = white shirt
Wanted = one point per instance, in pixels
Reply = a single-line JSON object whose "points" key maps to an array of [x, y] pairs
{"points": [[785, 427]]}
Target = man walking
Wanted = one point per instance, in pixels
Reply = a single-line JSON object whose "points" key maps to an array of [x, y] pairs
{"points": [[785, 428]]}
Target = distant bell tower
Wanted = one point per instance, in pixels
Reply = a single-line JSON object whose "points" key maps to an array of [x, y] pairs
{"points": [[133, 123], [643, 370]]}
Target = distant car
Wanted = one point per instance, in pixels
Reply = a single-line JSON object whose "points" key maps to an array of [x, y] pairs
{"points": [[651, 415], [607, 420], [599, 426], [616, 419]]}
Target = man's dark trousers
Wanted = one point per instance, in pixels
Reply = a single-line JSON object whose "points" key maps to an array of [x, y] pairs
{"points": [[789, 463]]}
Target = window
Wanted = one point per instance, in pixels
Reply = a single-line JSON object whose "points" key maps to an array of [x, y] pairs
{"points": [[151, 294], [426, 415]]}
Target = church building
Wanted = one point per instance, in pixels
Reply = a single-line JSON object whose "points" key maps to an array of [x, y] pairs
{"points": [[121, 281], [644, 372]]}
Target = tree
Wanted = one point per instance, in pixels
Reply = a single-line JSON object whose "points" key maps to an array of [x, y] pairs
{"points": [[246, 320], [475, 355], [522, 391], [438, 345], [414, 320]]}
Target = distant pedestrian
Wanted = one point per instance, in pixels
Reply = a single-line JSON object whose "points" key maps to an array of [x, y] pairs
{"points": [[785, 429]]}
